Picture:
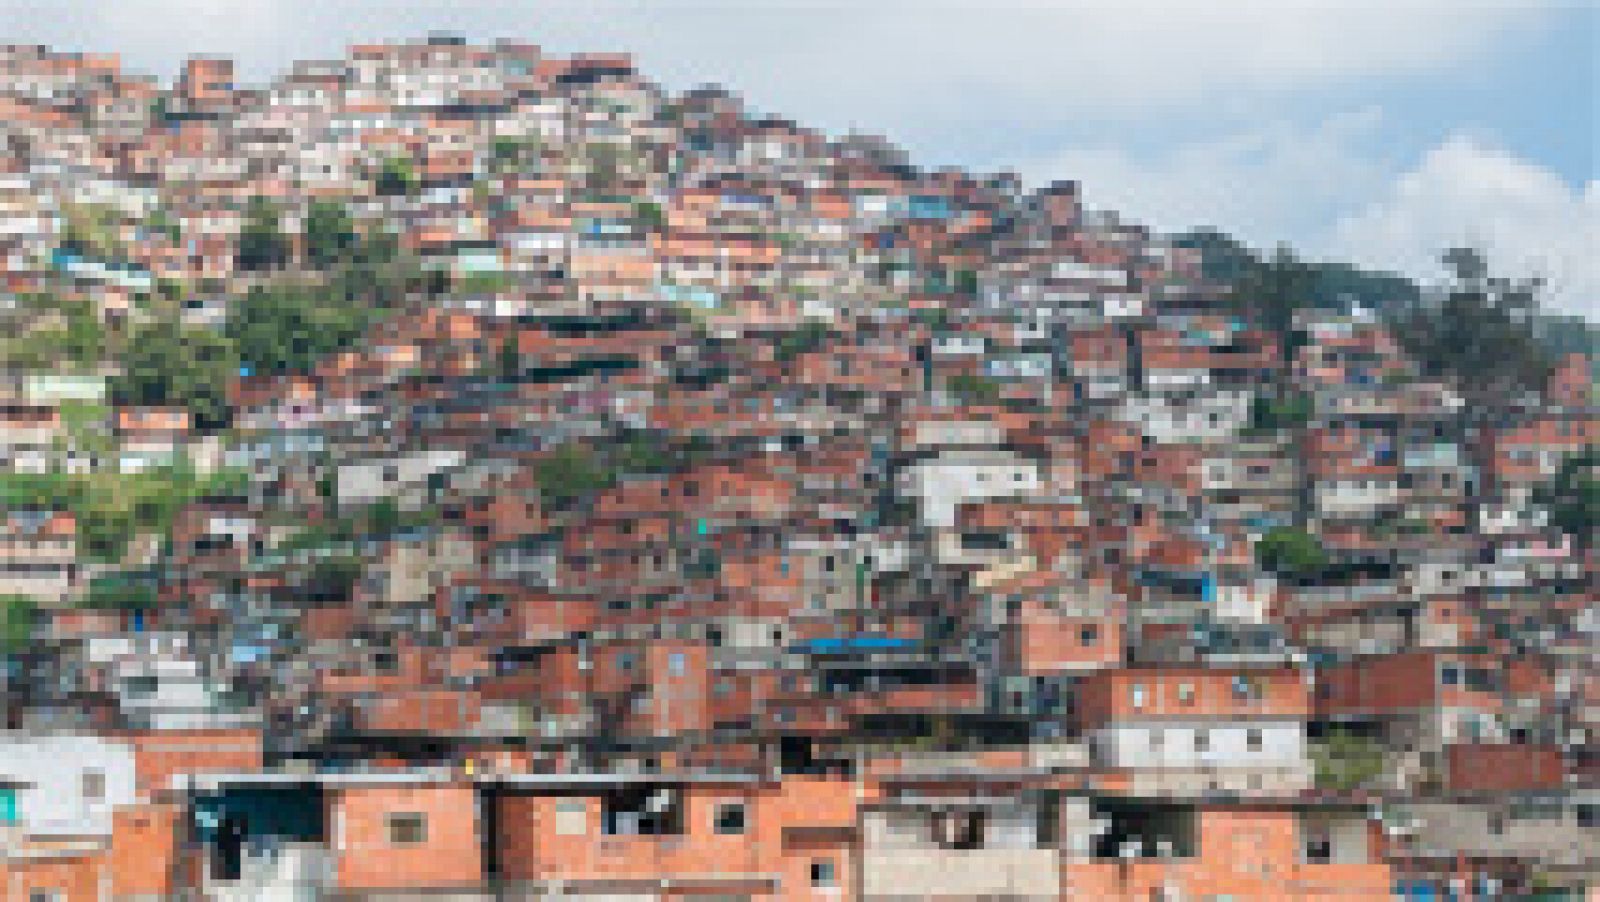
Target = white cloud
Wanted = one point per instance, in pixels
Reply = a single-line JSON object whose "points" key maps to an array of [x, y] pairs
{"points": [[1463, 191], [1126, 60], [1334, 192], [947, 78], [1266, 183], [882, 63]]}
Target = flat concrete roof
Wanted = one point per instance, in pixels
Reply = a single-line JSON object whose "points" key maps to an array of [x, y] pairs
{"points": [[214, 782]]}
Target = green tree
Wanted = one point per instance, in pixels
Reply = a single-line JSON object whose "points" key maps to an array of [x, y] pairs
{"points": [[334, 577], [504, 151], [937, 319], [289, 326], [1346, 761], [161, 223], [111, 508], [279, 329], [1481, 336], [1271, 292], [168, 365], [262, 245], [966, 282], [18, 614], [1290, 552], [568, 474], [1572, 496], [329, 234], [513, 153], [383, 517], [1272, 413], [90, 230], [811, 336], [972, 389], [396, 178], [649, 216], [68, 333], [508, 365], [118, 592]]}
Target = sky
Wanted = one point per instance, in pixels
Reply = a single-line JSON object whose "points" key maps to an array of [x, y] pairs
{"points": [[1375, 131]]}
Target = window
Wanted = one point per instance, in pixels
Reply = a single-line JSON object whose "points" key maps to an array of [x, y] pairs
{"points": [[45, 895], [94, 785], [409, 828], [1137, 695], [1252, 739], [822, 872], [1244, 688], [1186, 693], [642, 810], [1202, 741], [572, 818], [1088, 635], [729, 819], [675, 665]]}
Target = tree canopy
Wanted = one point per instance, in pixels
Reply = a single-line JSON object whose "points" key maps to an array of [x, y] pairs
{"points": [[17, 616], [1290, 552], [1480, 335], [262, 245], [169, 365], [396, 178], [329, 234], [289, 326], [1572, 496]]}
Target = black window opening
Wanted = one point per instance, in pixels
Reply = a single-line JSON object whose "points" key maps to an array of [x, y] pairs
{"points": [[730, 819], [960, 830], [642, 811], [823, 872], [985, 540], [408, 828], [236, 819], [1147, 831]]}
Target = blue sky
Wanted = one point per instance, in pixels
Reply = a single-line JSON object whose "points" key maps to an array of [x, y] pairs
{"points": [[1372, 130]]}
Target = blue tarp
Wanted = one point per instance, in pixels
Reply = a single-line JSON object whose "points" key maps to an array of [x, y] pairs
{"points": [[839, 644], [1422, 891]]}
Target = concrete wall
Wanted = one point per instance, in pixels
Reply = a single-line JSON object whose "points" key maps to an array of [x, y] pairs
{"points": [[366, 482], [54, 802], [947, 873], [367, 858], [1547, 831], [1226, 745], [953, 478]]}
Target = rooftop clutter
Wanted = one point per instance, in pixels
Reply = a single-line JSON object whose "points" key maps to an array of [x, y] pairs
{"points": [[458, 468]]}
